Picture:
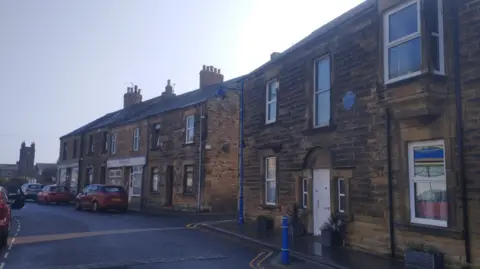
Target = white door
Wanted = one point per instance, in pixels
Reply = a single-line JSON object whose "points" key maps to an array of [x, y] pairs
{"points": [[321, 199], [135, 187]]}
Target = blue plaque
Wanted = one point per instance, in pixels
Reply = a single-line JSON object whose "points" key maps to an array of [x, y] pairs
{"points": [[349, 100]]}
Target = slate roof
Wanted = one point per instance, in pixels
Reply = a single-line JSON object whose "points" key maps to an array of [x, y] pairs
{"points": [[155, 106]]}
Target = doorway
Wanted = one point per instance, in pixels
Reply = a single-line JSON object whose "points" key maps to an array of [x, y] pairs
{"points": [[321, 199], [169, 186]]}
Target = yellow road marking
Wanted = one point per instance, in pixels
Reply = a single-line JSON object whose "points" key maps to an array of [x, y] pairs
{"points": [[191, 225], [259, 263], [251, 263], [55, 237]]}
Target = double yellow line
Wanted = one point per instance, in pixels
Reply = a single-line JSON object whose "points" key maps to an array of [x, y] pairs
{"points": [[192, 225], [256, 263]]}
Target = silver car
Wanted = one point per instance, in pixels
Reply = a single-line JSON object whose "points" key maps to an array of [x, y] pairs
{"points": [[31, 190]]}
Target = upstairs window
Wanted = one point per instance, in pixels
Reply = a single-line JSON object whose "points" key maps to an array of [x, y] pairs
{"points": [[136, 139], [74, 148], [403, 40], [105, 141], [321, 95], [64, 151], [113, 147], [189, 130], [156, 136], [91, 144], [271, 104]]}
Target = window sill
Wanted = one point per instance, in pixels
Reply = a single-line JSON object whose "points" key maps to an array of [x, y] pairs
{"points": [[318, 130], [269, 123], [429, 230], [188, 144], [188, 194], [344, 216], [270, 207], [400, 82]]}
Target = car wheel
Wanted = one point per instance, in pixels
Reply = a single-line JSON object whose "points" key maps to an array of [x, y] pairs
{"points": [[96, 207], [4, 239], [78, 206]]}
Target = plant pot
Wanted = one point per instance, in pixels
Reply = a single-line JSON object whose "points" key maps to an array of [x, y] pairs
{"points": [[423, 260], [331, 238]]}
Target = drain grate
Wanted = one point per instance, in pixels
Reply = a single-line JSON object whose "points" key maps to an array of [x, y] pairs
{"points": [[119, 265]]}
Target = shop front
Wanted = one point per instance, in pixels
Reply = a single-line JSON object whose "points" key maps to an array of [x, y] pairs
{"points": [[67, 175], [127, 172]]}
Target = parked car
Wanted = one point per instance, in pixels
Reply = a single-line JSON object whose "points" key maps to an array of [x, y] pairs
{"points": [[55, 194], [15, 195], [98, 197], [31, 190], [7, 203]]}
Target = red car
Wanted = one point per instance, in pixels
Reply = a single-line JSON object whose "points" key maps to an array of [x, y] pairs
{"points": [[98, 197], [5, 217], [54, 194]]}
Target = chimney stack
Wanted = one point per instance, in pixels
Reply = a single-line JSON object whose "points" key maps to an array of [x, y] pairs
{"points": [[210, 75], [168, 90], [274, 55], [132, 96]]}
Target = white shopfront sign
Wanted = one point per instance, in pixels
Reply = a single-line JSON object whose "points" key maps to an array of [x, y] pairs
{"points": [[136, 161]]}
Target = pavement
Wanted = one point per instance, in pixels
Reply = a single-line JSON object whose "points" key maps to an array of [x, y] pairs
{"points": [[58, 237]]}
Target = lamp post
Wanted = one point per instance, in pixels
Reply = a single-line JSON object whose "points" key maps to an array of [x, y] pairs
{"points": [[221, 93]]}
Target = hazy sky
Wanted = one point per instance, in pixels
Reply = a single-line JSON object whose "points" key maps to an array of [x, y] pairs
{"points": [[64, 63]]}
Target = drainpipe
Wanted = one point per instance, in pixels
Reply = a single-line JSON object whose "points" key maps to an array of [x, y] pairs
{"points": [[388, 135], [80, 163], [200, 158], [459, 130], [145, 167]]}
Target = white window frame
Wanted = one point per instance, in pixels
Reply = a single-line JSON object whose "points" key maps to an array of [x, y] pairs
{"points": [[305, 192], [271, 179], [318, 91], [387, 45], [189, 128], [136, 139], [155, 179], [413, 179], [113, 147], [269, 103], [340, 194]]}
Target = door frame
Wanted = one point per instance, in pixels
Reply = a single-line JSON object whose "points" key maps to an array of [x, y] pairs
{"points": [[317, 204]]}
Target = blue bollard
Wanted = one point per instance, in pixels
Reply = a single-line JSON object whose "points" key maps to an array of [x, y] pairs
{"points": [[285, 251]]}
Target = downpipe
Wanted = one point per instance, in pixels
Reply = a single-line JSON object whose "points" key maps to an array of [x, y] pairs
{"points": [[391, 226], [459, 131], [200, 158]]}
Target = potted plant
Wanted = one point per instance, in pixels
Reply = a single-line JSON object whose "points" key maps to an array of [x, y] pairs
{"points": [[423, 257], [332, 232]]}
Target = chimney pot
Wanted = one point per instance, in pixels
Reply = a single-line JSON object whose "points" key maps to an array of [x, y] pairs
{"points": [[219, 71], [214, 70], [204, 67]]}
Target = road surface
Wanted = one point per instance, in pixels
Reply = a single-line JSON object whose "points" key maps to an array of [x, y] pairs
{"points": [[58, 237]]}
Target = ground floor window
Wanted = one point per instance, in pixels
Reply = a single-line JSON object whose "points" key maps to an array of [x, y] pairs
{"points": [[90, 175], [304, 192], [74, 180], [63, 176], [188, 179], [115, 177], [427, 181], [271, 180], [155, 179]]}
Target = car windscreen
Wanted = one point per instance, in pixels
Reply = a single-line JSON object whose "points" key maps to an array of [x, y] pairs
{"points": [[58, 189], [113, 189]]}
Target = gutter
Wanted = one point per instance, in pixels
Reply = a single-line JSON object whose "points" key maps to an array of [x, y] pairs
{"points": [[459, 131], [391, 226], [201, 149]]}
